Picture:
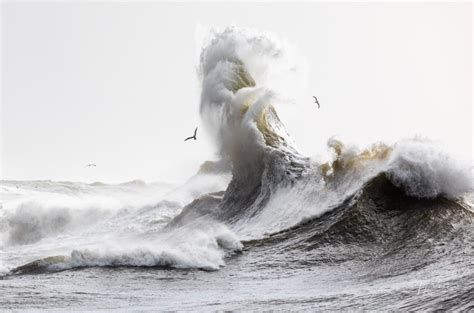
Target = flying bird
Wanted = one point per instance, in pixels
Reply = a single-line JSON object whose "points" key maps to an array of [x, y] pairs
{"points": [[89, 165], [193, 136], [316, 101]]}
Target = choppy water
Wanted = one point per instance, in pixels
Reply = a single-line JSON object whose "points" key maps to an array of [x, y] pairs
{"points": [[382, 228], [416, 254]]}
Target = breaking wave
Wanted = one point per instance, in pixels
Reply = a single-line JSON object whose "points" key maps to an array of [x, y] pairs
{"points": [[262, 191], [199, 245]]}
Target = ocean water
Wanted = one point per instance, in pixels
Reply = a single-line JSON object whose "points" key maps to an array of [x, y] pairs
{"points": [[385, 227]]}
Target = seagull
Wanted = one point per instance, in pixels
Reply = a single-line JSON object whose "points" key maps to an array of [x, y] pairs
{"points": [[89, 165], [316, 101], [193, 136]]}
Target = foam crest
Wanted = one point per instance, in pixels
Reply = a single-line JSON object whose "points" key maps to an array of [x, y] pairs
{"points": [[424, 170], [237, 87], [270, 60], [419, 166], [201, 245]]}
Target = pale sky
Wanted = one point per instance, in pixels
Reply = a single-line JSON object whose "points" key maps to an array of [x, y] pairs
{"points": [[115, 84]]}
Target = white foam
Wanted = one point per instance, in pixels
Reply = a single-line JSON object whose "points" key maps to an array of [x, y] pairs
{"points": [[45, 209], [270, 62], [424, 170], [203, 244]]}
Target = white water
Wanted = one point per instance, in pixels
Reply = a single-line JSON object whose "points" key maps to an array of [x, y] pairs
{"points": [[102, 224], [98, 224], [94, 226]]}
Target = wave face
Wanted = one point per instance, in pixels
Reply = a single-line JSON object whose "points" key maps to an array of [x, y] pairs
{"points": [[385, 213], [273, 186]]}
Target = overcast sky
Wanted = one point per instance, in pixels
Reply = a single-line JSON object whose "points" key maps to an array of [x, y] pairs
{"points": [[115, 84]]}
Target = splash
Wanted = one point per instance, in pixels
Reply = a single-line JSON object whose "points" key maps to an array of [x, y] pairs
{"points": [[272, 188], [236, 106], [202, 244]]}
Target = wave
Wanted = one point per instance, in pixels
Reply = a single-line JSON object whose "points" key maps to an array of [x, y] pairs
{"points": [[49, 230], [381, 211], [202, 245], [381, 232], [245, 125], [263, 190], [266, 165]]}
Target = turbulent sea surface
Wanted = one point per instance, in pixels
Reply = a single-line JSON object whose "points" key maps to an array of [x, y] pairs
{"points": [[389, 227]]}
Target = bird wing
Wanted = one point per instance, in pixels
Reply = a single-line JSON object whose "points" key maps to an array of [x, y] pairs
{"points": [[316, 101], [189, 138], [195, 131]]}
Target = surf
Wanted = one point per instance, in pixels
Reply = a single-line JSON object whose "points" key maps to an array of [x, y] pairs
{"points": [[262, 192]]}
